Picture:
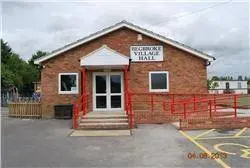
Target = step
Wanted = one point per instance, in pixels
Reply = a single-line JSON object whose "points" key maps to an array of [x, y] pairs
{"points": [[104, 116], [102, 120], [104, 125], [92, 133]]}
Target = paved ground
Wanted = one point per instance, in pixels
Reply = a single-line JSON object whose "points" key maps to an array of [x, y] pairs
{"points": [[231, 147], [45, 143]]}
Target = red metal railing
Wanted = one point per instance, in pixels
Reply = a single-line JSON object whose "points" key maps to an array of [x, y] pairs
{"points": [[77, 110], [80, 105], [187, 105], [128, 101], [130, 112]]}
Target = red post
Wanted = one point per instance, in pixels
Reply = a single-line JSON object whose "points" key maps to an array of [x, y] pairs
{"points": [[172, 105], [126, 90], [75, 117], [194, 99], [83, 88], [210, 109], [163, 106], [86, 84], [235, 106], [130, 113], [152, 103], [73, 120], [214, 103], [184, 110]]}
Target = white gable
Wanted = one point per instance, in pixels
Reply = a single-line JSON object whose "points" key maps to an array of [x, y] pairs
{"points": [[104, 57]]}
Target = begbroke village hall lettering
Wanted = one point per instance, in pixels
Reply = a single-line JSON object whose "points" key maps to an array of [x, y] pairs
{"points": [[146, 53]]}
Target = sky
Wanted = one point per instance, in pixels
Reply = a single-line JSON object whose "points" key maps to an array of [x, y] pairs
{"points": [[219, 28]]}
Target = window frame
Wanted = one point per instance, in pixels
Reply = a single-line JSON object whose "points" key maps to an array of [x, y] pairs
{"points": [[167, 81], [68, 92]]}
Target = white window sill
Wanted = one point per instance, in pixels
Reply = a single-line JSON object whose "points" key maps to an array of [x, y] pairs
{"points": [[68, 93], [159, 90]]}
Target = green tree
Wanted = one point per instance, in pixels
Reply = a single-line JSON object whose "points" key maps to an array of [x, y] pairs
{"points": [[37, 55], [16, 72], [212, 84], [215, 78], [6, 51]]}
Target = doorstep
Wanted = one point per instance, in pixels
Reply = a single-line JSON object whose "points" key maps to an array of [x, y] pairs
{"points": [[100, 133]]}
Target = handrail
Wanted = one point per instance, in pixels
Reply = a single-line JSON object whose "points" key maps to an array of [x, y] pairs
{"points": [[77, 111], [130, 111], [209, 104]]}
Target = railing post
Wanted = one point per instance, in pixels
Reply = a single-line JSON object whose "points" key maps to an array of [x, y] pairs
{"points": [[75, 117], [214, 103], [130, 111], [163, 106], [85, 90], [210, 109], [126, 91], [235, 105], [184, 110], [152, 103], [194, 99], [172, 105]]}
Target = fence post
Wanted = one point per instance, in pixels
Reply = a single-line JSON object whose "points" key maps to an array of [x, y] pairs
{"points": [[184, 106], [210, 109], [235, 106]]}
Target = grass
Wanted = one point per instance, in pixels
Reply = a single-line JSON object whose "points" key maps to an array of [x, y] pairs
{"points": [[243, 102]]}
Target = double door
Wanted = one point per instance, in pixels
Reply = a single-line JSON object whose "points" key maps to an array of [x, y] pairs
{"points": [[107, 91]]}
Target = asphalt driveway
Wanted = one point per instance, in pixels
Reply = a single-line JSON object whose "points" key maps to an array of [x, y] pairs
{"points": [[45, 143]]}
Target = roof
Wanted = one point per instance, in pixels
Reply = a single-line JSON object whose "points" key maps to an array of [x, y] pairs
{"points": [[98, 58], [129, 26]]}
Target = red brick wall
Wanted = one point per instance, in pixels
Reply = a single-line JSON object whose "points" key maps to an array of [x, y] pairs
{"points": [[209, 123], [187, 73]]}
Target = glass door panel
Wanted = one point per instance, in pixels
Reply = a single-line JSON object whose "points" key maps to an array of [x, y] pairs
{"points": [[100, 92], [115, 83], [101, 102], [101, 83], [116, 102], [116, 91]]}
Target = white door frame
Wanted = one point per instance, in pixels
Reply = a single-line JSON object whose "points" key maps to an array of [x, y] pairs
{"points": [[108, 93]]}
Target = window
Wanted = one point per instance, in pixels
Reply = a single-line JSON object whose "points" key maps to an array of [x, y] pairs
{"points": [[68, 83], [227, 86], [239, 85], [158, 81]]}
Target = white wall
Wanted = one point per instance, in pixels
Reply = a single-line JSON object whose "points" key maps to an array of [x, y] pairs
{"points": [[232, 85]]}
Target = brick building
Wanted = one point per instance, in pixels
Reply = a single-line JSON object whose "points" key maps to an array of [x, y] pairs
{"points": [[119, 59]]}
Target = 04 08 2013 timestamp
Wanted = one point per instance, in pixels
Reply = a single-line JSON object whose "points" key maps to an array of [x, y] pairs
{"points": [[204, 155]]}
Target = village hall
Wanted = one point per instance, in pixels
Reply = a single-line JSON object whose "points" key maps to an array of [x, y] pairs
{"points": [[103, 69]]}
